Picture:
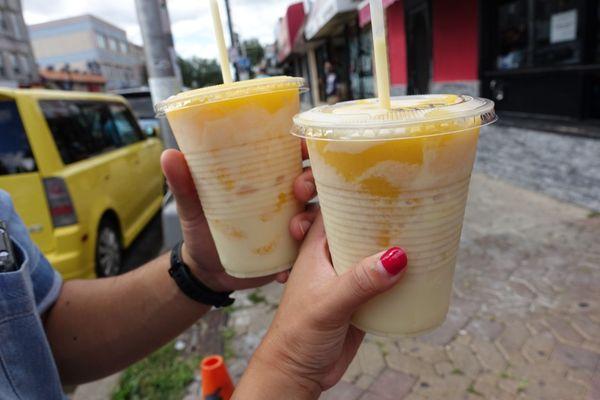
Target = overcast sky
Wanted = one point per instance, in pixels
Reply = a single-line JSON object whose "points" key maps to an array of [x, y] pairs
{"points": [[191, 22]]}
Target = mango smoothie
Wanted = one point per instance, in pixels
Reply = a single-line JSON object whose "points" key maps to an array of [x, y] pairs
{"points": [[397, 177], [243, 161]]}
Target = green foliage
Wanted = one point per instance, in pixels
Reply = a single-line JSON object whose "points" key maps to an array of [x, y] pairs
{"points": [[471, 389], [257, 297], [163, 375], [254, 51], [199, 72], [228, 337]]}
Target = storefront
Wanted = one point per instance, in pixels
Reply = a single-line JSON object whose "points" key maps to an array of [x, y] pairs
{"points": [[432, 45], [330, 27], [542, 57], [290, 44]]}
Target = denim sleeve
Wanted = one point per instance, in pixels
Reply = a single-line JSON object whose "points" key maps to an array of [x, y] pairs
{"points": [[45, 280]]}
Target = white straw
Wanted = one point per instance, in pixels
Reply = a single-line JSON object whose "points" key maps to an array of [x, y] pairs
{"points": [[380, 50], [223, 57]]}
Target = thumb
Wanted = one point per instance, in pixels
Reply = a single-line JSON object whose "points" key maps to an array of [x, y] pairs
{"points": [[181, 185], [372, 276]]}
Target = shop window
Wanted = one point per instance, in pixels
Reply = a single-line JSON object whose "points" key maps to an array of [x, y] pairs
{"points": [[556, 32], [598, 34], [513, 44]]}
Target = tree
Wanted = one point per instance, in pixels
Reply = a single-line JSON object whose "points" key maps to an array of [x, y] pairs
{"points": [[199, 72], [254, 51]]}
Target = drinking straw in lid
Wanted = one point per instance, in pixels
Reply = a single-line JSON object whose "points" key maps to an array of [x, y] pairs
{"points": [[223, 57], [380, 49]]}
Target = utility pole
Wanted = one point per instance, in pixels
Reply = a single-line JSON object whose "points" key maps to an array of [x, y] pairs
{"points": [[164, 77], [234, 44]]}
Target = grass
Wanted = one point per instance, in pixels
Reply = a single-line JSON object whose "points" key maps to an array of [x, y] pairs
{"points": [[228, 336], [382, 348], [164, 374], [593, 214], [457, 371], [256, 297], [473, 391], [522, 385]]}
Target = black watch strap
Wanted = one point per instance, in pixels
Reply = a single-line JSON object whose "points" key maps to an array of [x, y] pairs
{"points": [[191, 286]]}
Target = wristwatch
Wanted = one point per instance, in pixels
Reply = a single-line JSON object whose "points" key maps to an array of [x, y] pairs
{"points": [[191, 286]]}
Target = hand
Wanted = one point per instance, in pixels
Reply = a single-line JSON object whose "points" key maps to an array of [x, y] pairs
{"points": [[199, 251], [311, 342]]}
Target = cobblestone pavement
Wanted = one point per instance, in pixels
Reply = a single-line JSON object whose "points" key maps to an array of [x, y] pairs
{"points": [[565, 167], [524, 321]]}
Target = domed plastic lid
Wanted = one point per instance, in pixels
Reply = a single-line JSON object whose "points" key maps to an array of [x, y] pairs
{"points": [[230, 91], [409, 116]]}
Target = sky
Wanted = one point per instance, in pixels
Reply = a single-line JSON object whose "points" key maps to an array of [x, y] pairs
{"points": [[191, 22]]}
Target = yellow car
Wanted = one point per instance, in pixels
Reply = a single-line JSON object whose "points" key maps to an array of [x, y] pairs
{"points": [[82, 174]]}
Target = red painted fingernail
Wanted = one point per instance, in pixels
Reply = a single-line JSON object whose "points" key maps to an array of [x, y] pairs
{"points": [[394, 260]]}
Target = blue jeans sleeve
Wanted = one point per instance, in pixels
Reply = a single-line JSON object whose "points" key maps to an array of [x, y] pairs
{"points": [[45, 280]]}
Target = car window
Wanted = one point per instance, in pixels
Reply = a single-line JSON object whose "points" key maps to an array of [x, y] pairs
{"points": [[141, 104], [81, 129], [15, 153], [128, 130]]}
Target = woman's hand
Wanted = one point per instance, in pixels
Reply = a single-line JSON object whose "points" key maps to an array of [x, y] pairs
{"points": [[199, 251], [311, 342]]}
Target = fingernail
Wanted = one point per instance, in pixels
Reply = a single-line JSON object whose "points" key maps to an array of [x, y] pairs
{"points": [[309, 186], [394, 260], [304, 226]]}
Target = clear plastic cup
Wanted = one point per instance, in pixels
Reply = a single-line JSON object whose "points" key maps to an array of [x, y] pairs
{"points": [[397, 178], [236, 141]]}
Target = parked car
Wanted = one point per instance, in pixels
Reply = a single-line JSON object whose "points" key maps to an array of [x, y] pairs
{"points": [[140, 101], [82, 174]]}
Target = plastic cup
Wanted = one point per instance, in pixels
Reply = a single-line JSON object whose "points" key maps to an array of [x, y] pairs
{"points": [[236, 141], [397, 177]]}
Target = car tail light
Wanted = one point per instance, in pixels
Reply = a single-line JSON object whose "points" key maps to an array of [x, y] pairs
{"points": [[59, 200]]}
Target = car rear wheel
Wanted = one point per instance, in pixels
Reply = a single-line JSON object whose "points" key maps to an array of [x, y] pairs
{"points": [[109, 255]]}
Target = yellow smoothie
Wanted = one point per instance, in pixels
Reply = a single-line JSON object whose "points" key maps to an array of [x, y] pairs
{"points": [[243, 161], [395, 178]]}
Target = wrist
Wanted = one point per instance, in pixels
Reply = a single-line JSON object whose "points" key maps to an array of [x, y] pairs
{"points": [[282, 370], [267, 378], [207, 277]]}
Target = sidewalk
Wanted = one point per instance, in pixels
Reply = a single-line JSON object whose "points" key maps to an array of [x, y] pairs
{"points": [[523, 322]]}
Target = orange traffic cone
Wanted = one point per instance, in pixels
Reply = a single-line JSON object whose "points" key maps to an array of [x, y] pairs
{"points": [[216, 382]]}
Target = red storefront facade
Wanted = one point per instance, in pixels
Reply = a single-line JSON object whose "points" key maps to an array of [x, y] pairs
{"points": [[442, 55]]}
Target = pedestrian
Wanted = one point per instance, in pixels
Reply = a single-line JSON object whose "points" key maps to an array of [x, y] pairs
{"points": [[55, 333], [331, 83]]}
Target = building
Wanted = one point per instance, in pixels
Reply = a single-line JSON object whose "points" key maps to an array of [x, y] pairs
{"points": [[87, 43], [542, 58], [70, 80], [290, 45], [17, 66], [539, 60]]}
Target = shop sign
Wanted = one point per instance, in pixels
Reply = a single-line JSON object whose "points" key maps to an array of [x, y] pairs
{"points": [[563, 26], [323, 11]]}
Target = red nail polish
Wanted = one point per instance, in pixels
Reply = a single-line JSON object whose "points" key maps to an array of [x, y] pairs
{"points": [[394, 260]]}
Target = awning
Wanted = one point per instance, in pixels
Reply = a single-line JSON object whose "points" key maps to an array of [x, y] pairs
{"points": [[288, 30], [364, 12], [325, 14]]}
